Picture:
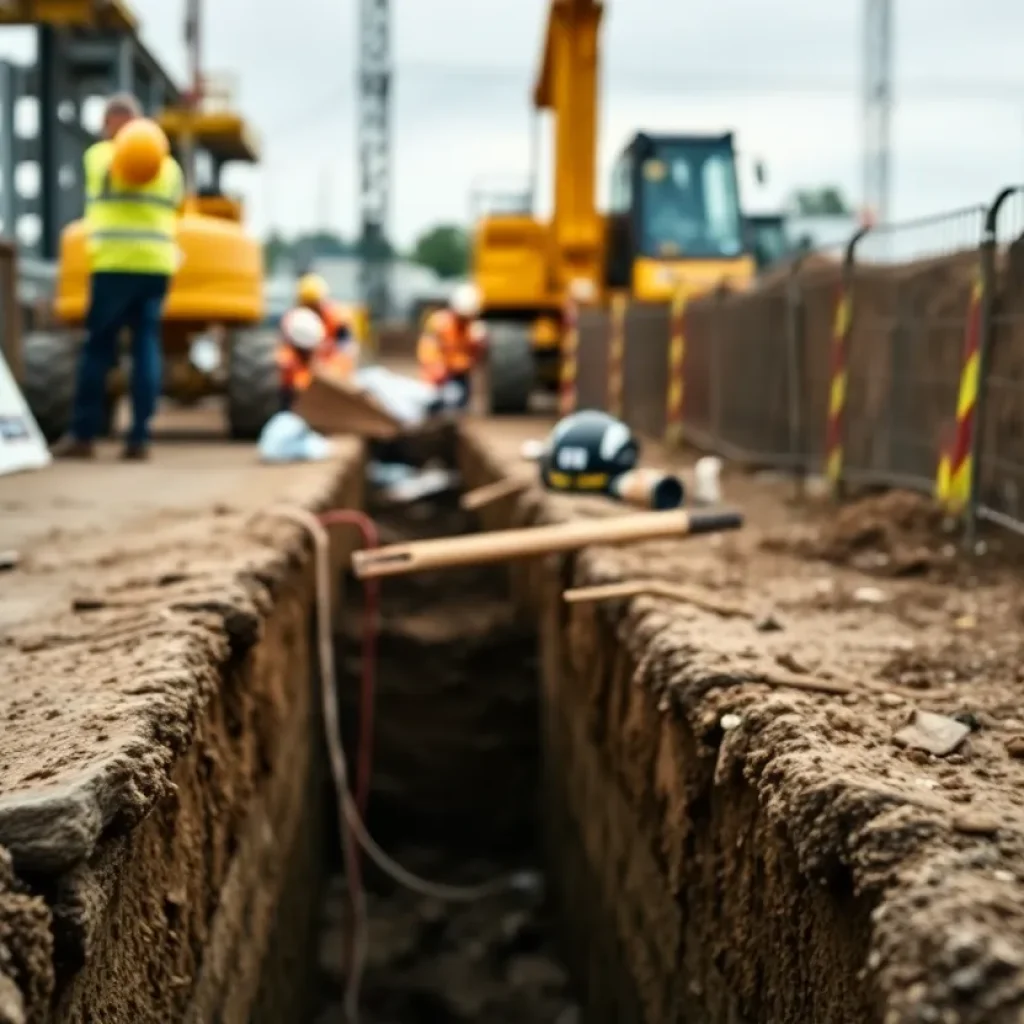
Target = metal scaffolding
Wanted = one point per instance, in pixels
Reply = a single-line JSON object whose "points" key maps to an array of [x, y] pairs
{"points": [[878, 100], [374, 121], [42, 134]]}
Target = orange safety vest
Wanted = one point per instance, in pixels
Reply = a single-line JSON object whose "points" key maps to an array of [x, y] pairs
{"points": [[337, 320], [296, 372], [448, 346]]}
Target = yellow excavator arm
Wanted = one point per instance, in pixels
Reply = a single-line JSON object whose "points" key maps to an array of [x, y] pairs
{"points": [[567, 86]]}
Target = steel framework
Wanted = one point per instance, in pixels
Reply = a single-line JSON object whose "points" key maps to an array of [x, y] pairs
{"points": [[72, 65], [878, 100], [374, 120]]}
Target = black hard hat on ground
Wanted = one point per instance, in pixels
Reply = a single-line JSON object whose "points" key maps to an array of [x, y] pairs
{"points": [[590, 442]]}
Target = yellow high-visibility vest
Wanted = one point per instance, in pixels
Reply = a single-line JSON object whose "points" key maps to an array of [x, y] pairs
{"points": [[132, 229]]}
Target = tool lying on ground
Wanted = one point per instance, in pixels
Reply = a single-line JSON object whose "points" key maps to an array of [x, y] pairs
{"points": [[511, 545], [656, 588]]}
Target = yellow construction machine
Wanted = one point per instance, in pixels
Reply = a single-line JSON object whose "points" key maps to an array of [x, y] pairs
{"points": [[214, 337], [675, 218]]}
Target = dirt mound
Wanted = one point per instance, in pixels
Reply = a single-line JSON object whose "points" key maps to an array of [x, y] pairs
{"points": [[895, 534]]}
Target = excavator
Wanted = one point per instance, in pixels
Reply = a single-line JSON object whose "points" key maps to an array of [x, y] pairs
{"points": [[674, 219], [214, 339]]}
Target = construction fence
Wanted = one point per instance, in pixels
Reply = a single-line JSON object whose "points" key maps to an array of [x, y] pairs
{"points": [[895, 360]]}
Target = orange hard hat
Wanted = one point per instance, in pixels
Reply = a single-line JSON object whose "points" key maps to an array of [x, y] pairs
{"points": [[140, 149]]}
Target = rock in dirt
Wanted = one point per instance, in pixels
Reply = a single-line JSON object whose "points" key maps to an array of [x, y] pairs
{"points": [[935, 734]]}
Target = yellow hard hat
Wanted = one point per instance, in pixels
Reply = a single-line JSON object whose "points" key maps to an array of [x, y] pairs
{"points": [[140, 149], [312, 289]]}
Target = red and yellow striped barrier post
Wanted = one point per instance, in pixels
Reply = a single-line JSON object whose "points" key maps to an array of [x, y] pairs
{"points": [[676, 372], [567, 392], [837, 387], [616, 354], [956, 465]]}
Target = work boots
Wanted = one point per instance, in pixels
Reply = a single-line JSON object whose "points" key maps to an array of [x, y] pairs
{"points": [[70, 447]]}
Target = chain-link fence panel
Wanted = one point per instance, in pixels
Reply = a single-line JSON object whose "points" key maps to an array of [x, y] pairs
{"points": [[999, 489], [645, 371], [701, 327], [592, 358], [912, 289], [752, 381], [818, 289]]}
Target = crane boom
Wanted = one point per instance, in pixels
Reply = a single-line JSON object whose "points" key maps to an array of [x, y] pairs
{"points": [[567, 86]]}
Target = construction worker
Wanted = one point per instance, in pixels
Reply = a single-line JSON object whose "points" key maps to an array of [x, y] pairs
{"points": [[133, 189], [313, 293], [451, 344], [302, 344]]}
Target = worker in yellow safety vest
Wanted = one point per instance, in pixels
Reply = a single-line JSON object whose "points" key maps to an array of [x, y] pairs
{"points": [[133, 191]]}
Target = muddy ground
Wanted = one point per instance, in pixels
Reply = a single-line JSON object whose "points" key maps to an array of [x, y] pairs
{"points": [[787, 855]]}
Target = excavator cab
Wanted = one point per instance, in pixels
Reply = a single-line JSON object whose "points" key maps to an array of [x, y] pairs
{"points": [[675, 216], [769, 239]]}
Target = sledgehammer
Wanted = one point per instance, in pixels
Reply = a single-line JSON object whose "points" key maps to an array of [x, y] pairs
{"points": [[511, 545]]}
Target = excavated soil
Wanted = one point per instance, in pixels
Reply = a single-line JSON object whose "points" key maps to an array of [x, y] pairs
{"points": [[734, 831], [454, 798], [158, 769]]}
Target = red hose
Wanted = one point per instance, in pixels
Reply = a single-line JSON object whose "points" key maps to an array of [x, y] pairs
{"points": [[368, 671]]}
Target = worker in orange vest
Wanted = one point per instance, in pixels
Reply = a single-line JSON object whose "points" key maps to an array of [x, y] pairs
{"points": [[452, 343], [301, 348], [313, 293]]}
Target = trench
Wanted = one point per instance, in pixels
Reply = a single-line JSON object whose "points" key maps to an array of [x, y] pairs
{"points": [[454, 797], [512, 735]]}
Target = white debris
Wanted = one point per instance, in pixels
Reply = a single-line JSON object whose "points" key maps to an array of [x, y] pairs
{"points": [[707, 472]]}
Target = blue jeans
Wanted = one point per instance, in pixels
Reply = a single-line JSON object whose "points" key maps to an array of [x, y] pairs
{"points": [[119, 300]]}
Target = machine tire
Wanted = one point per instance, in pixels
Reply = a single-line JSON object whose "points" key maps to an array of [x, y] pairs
{"points": [[510, 369], [50, 361], [253, 382]]}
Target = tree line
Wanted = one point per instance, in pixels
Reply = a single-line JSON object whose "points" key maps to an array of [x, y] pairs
{"points": [[445, 248]]}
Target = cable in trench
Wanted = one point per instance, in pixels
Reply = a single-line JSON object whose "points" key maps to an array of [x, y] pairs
{"points": [[352, 810]]}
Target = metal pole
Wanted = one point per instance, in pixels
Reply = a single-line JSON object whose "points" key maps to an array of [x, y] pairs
{"points": [[193, 41], [375, 154], [988, 282]]}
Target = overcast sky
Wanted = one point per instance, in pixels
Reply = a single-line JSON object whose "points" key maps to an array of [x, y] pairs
{"points": [[782, 73]]}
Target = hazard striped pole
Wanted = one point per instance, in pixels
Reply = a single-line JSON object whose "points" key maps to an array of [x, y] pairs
{"points": [[676, 372], [956, 465], [567, 391], [616, 354], [841, 325]]}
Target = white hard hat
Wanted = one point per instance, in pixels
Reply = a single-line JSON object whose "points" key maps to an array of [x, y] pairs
{"points": [[303, 328], [465, 301]]}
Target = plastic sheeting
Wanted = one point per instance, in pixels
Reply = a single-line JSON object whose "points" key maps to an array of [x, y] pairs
{"points": [[289, 438]]}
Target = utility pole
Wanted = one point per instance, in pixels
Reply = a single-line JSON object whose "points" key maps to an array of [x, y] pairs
{"points": [[878, 102], [374, 119], [194, 96]]}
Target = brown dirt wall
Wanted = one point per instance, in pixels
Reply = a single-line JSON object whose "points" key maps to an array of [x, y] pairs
{"points": [[161, 814], [797, 864]]}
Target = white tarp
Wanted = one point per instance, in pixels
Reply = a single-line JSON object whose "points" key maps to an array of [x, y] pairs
{"points": [[22, 445]]}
